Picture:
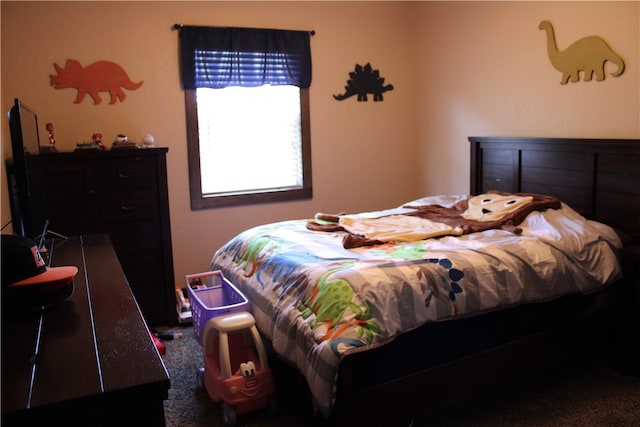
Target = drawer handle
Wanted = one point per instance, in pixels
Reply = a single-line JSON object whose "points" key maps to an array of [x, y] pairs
{"points": [[125, 173], [128, 206]]}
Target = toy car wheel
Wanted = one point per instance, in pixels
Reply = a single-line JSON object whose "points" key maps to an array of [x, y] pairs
{"points": [[228, 415], [200, 377]]}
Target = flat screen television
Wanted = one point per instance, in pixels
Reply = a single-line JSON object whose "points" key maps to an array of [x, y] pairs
{"points": [[25, 141]]}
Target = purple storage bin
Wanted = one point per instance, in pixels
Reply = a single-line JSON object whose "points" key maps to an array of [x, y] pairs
{"points": [[210, 295]]}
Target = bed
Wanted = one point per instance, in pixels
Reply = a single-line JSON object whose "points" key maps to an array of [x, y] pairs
{"points": [[377, 319]]}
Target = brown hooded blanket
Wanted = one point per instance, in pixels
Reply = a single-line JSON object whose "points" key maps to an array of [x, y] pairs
{"points": [[491, 210]]}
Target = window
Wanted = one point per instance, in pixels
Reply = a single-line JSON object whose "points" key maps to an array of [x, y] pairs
{"points": [[248, 145], [247, 109]]}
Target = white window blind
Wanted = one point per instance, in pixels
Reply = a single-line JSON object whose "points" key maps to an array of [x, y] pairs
{"points": [[250, 139]]}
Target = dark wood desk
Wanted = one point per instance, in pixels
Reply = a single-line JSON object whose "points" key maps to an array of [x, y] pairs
{"points": [[88, 360]]}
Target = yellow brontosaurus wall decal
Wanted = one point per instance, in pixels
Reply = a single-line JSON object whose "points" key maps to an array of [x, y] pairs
{"points": [[589, 54]]}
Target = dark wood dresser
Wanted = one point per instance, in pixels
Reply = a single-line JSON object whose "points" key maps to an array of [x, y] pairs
{"points": [[122, 193], [88, 360]]}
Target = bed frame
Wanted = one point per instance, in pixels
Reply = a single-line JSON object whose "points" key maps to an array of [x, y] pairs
{"points": [[597, 177]]}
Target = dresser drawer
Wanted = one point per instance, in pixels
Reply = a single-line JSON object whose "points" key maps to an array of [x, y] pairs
{"points": [[132, 205], [65, 192], [127, 173]]}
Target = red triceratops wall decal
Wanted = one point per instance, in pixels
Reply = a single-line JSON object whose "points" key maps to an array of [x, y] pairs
{"points": [[101, 76]]}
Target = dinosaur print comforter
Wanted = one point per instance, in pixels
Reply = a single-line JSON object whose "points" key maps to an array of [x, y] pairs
{"points": [[317, 301]]}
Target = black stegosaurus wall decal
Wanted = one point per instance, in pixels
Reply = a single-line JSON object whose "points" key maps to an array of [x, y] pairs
{"points": [[364, 80]]}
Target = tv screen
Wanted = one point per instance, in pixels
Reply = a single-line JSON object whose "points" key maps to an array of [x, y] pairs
{"points": [[29, 128], [25, 141]]}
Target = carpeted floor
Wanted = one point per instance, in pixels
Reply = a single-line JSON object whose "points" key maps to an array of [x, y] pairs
{"points": [[589, 393]]}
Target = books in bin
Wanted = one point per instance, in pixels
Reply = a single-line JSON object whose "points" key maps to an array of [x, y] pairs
{"points": [[183, 306]]}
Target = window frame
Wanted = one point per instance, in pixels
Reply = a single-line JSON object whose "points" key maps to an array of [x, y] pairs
{"points": [[201, 201]]}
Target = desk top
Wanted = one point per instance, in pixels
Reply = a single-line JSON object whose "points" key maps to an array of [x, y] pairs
{"points": [[92, 345]]}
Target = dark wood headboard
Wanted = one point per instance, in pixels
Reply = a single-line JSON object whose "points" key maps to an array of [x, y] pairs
{"points": [[600, 178]]}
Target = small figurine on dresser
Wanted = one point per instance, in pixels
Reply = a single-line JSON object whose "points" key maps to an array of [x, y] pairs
{"points": [[148, 141], [52, 137], [51, 148], [122, 142], [97, 139]]}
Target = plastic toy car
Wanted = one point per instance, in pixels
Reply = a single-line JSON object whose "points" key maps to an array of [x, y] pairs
{"points": [[233, 341], [236, 369]]}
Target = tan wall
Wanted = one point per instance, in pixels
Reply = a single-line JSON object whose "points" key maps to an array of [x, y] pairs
{"points": [[484, 70], [458, 69]]}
